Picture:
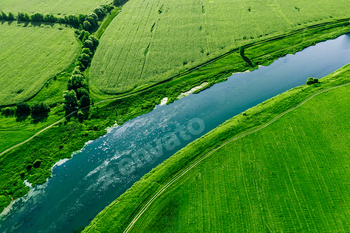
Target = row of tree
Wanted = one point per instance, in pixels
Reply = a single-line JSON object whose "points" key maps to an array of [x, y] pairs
{"points": [[38, 111], [77, 94], [86, 22]]}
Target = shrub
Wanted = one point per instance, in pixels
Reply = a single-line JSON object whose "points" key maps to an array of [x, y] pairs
{"points": [[311, 81]]}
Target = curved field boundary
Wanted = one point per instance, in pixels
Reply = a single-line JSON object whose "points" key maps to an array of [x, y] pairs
{"points": [[173, 180], [344, 20], [128, 94]]}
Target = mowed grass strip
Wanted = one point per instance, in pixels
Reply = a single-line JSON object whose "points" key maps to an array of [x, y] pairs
{"points": [[292, 176], [56, 7], [30, 56], [150, 41]]}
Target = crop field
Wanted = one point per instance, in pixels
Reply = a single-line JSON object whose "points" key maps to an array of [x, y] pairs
{"points": [[149, 41], [292, 176], [58, 7], [30, 56]]}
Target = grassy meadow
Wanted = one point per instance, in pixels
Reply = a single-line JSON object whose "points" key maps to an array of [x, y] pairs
{"points": [[58, 7], [150, 41], [30, 55], [292, 175]]}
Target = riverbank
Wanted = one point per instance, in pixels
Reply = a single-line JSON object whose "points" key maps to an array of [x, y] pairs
{"points": [[128, 207], [56, 143]]}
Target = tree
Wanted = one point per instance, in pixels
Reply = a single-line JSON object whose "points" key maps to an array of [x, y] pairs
{"points": [[90, 45], [22, 110], [76, 81], [87, 25], [71, 101], [37, 17], [3, 16], [100, 12], [84, 101], [82, 92], [87, 51], [85, 59], [50, 18], [39, 111], [77, 70], [11, 16], [94, 41], [311, 81]]}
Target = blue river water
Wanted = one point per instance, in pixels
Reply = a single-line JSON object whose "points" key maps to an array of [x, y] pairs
{"points": [[105, 168]]}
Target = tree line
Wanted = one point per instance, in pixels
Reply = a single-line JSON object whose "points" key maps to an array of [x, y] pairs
{"points": [[37, 111], [77, 94], [86, 22]]}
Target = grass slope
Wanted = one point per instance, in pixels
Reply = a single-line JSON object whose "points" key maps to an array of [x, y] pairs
{"points": [[64, 7], [149, 41], [30, 56], [291, 176]]}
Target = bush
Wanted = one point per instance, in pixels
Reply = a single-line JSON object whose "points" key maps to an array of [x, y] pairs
{"points": [[311, 81]]}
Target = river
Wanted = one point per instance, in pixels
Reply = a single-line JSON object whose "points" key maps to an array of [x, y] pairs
{"points": [[105, 168]]}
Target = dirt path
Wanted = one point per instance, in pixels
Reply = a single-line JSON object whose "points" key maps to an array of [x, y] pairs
{"points": [[212, 151]]}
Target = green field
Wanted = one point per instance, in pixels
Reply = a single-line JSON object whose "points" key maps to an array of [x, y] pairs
{"points": [[150, 41], [59, 7], [30, 56], [291, 176]]}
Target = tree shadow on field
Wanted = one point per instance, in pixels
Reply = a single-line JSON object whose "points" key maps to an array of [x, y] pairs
{"points": [[40, 118]]}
